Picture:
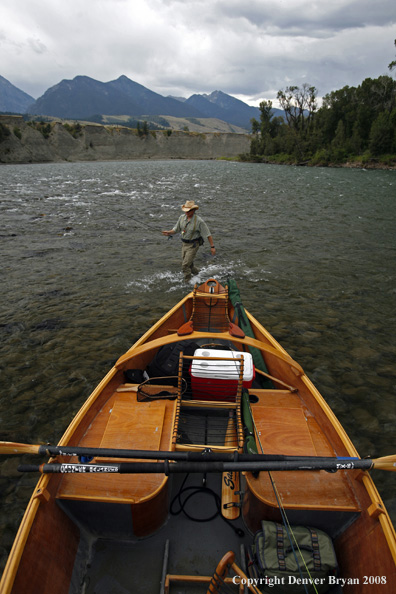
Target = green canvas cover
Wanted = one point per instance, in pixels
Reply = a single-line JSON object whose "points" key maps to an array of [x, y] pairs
{"points": [[279, 565], [250, 442], [244, 324]]}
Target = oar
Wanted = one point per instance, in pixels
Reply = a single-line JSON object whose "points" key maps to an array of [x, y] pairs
{"points": [[384, 463], [277, 381], [199, 456], [205, 466]]}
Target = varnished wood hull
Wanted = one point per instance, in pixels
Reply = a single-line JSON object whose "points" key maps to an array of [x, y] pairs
{"points": [[295, 421]]}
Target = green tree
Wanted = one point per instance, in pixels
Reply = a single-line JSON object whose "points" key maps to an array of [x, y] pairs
{"points": [[265, 130], [337, 105], [299, 105], [339, 137], [356, 142], [378, 94], [381, 135], [142, 131]]}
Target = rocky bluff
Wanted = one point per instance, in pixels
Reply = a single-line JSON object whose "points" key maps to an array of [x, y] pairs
{"points": [[38, 142]]}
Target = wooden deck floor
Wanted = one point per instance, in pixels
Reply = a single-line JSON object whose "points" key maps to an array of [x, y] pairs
{"points": [[286, 427], [124, 423]]}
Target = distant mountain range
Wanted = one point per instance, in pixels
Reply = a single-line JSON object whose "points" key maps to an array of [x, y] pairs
{"points": [[84, 97], [224, 107], [13, 99]]}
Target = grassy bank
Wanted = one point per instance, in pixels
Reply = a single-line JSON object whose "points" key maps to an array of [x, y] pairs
{"points": [[322, 159]]}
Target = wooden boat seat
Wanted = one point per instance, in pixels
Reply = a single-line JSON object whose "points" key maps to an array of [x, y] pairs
{"points": [[217, 583], [285, 426], [210, 311], [124, 423]]}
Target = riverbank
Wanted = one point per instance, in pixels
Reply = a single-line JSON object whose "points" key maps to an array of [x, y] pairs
{"points": [[39, 142], [366, 161]]}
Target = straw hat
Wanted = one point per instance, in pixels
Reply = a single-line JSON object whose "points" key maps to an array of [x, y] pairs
{"points": [[189, 205]]}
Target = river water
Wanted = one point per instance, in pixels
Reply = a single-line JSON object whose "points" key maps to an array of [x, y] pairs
{"points": [[85, 271]]}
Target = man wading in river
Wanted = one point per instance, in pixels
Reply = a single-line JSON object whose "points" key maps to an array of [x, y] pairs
{"points": [[193, 230]]}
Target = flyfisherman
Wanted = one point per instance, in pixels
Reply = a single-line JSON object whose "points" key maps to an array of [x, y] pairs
{"points": [[193, 230]]}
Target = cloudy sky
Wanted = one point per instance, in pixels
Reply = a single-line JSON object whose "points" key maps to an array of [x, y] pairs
{"points": [[247, 48]]}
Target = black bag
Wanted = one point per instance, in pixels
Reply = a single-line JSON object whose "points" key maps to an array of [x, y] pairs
{"points": [[166, 361], [275, 563], [135, 376]]}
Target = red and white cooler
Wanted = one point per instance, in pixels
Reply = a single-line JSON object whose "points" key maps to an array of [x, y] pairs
{"points": [[218, 379]]}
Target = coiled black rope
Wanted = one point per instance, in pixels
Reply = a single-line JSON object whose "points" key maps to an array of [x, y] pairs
{"points": [[193, 491]]}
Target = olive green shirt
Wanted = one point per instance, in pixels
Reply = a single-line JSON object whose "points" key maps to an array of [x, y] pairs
{"points": [[191, 229]]}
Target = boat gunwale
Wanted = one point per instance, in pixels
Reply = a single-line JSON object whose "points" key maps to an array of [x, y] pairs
{"points": [[145, 344]]}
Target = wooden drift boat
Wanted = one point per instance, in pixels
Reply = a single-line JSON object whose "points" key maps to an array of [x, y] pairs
{"points": [[203, 432]]}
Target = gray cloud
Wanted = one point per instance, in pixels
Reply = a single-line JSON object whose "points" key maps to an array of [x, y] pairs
{"points": [[36, 45], [181, 47], [301, 16]]}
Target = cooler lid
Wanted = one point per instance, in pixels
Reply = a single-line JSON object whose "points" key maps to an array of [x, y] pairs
{"points": [[225, 370]]}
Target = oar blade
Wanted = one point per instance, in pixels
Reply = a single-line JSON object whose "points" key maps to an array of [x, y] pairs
{"points": [[10, 447], [385, 463]]}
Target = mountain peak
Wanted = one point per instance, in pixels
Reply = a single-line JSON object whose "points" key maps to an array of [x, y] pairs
{"points": [[225, 107], [13, 99], [124, 80]]}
